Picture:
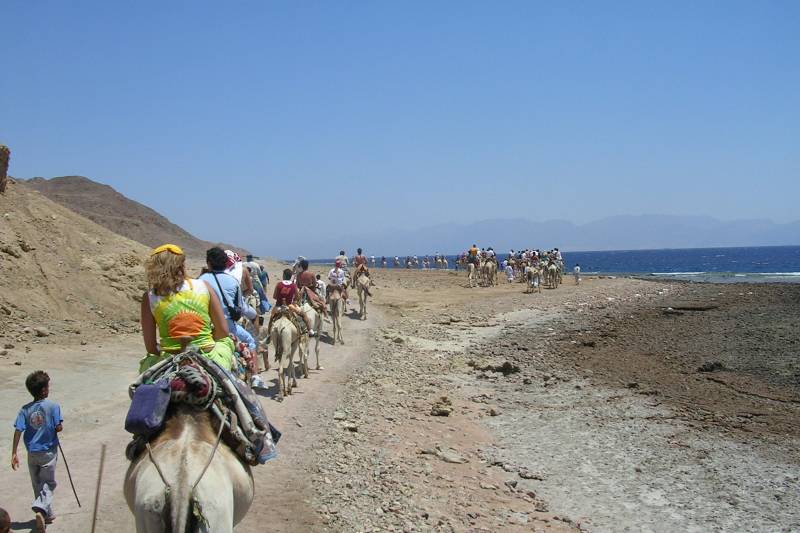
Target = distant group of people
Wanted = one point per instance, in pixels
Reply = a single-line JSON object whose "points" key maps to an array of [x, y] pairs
{"points": [[516, 260]]}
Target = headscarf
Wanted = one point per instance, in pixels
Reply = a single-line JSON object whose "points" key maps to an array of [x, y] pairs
{"points": [[234, 265]]}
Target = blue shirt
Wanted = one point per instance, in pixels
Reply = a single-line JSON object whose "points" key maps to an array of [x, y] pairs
{"points": [[37, 421], [229, 289]]}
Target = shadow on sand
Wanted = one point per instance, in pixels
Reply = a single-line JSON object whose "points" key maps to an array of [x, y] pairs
{"points": [[30, 525]]}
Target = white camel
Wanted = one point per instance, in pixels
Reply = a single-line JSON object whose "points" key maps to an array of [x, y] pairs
{"points": [[336, 310], [533, 276], [362, 285], [489, 272], [286, 343], [189, 480], [552, 276], [316, 323]]}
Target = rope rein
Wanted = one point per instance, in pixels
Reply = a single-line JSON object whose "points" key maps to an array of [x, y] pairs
{"points": [[211, 457]]}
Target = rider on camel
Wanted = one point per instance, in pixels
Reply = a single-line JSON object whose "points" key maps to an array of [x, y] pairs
{"points": [[337, 280], [473, 255], [361, 266], [285, 295], [307, 281]]}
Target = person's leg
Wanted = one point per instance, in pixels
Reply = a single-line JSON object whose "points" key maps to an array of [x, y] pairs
{"points": [[296, 309], [223, 353], [272, 313], [318, 302], [42, 467]]}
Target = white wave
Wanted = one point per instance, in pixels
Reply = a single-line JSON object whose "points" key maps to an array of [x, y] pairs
{"points": [[677, 273]]}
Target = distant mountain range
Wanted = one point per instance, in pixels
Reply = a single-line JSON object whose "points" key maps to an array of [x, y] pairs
{"points": [[105, 206], [634, 232]]}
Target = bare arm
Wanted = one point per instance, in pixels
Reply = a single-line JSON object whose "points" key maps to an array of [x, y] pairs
{"points": [[148, 326], [15, 445], [247, 282], [217, 316]]}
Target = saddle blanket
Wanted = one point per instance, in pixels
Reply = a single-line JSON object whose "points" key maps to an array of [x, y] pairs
{"points": [[195, 380]]}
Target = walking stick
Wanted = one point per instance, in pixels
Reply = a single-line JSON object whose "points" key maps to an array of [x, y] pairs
{"points": [[69, 475]]}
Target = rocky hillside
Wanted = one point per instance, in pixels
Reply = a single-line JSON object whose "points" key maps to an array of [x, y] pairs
{"points": [[118, 213], [62, 272]]}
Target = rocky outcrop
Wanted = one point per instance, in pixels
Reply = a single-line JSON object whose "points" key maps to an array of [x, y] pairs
{"points": [[5, 157]]}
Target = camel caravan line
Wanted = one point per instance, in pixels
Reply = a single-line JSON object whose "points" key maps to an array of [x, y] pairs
{"points": [[196, 417]]}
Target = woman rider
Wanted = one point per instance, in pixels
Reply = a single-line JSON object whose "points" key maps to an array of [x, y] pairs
{"points": [[177, 310]]}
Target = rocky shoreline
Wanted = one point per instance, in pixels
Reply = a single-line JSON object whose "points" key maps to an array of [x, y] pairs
{"points": [[481, 411]]}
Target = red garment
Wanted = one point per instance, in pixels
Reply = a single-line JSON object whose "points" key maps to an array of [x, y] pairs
{"points": [[285, 294]]}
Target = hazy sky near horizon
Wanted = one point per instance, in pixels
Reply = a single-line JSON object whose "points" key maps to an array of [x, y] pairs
{"points": [[225, 116]]}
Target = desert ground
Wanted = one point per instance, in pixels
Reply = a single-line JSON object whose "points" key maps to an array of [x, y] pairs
{"points": [[614, 405]]}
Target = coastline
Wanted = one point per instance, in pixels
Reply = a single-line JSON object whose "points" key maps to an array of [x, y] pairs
{"points": [[564, 439]]}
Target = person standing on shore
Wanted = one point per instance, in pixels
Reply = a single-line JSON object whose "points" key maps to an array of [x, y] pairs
{"points": [[39, 423], [577, 273]]}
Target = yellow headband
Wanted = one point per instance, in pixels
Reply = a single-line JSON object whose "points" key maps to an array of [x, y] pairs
{"points": [[174, 248]]}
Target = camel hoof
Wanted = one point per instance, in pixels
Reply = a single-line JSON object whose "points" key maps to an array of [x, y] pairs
{"points": [[319, 368]]}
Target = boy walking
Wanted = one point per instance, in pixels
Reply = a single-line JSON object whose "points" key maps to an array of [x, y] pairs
{"points": [[39, 423]]}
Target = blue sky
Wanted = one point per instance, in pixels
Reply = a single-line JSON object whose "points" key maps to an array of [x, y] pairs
{"points": [[408, 113]]}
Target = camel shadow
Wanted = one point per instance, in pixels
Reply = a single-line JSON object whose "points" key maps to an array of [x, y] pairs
{"points": [[273, 388], [353, 315]]}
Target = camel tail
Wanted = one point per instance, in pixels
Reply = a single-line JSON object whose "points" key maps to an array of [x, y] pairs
{"points": [[183, 519]]}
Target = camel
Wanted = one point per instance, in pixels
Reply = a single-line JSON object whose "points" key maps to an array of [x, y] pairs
{"points": [[533, 276], [336, 310], [489, 272], [362, 285], [286, 343], [189, 480], [552, 276], [316, 323], [471, 275]]}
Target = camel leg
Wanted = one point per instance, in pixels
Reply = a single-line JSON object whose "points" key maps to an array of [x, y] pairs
{"points": [[339, 333], [316, 344], [295, 346], [305, 360]]}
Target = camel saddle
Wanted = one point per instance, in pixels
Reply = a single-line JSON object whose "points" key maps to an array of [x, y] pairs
{"points": [[193, 379], [297, 321]]}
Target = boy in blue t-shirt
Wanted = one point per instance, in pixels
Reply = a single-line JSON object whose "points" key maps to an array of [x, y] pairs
{"points": [[39, 423]]}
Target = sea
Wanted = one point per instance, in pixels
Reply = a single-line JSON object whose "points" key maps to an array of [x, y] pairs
{"points": [[763, 264]]}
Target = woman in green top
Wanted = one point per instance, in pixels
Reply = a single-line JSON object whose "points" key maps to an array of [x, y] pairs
{"points": [[181, 312]]}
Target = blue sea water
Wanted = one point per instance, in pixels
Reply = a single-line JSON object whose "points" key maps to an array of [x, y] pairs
{"points": [[725, 265]]}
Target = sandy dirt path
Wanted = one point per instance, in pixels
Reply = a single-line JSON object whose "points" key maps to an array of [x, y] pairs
{"points": [[90, 382]]}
